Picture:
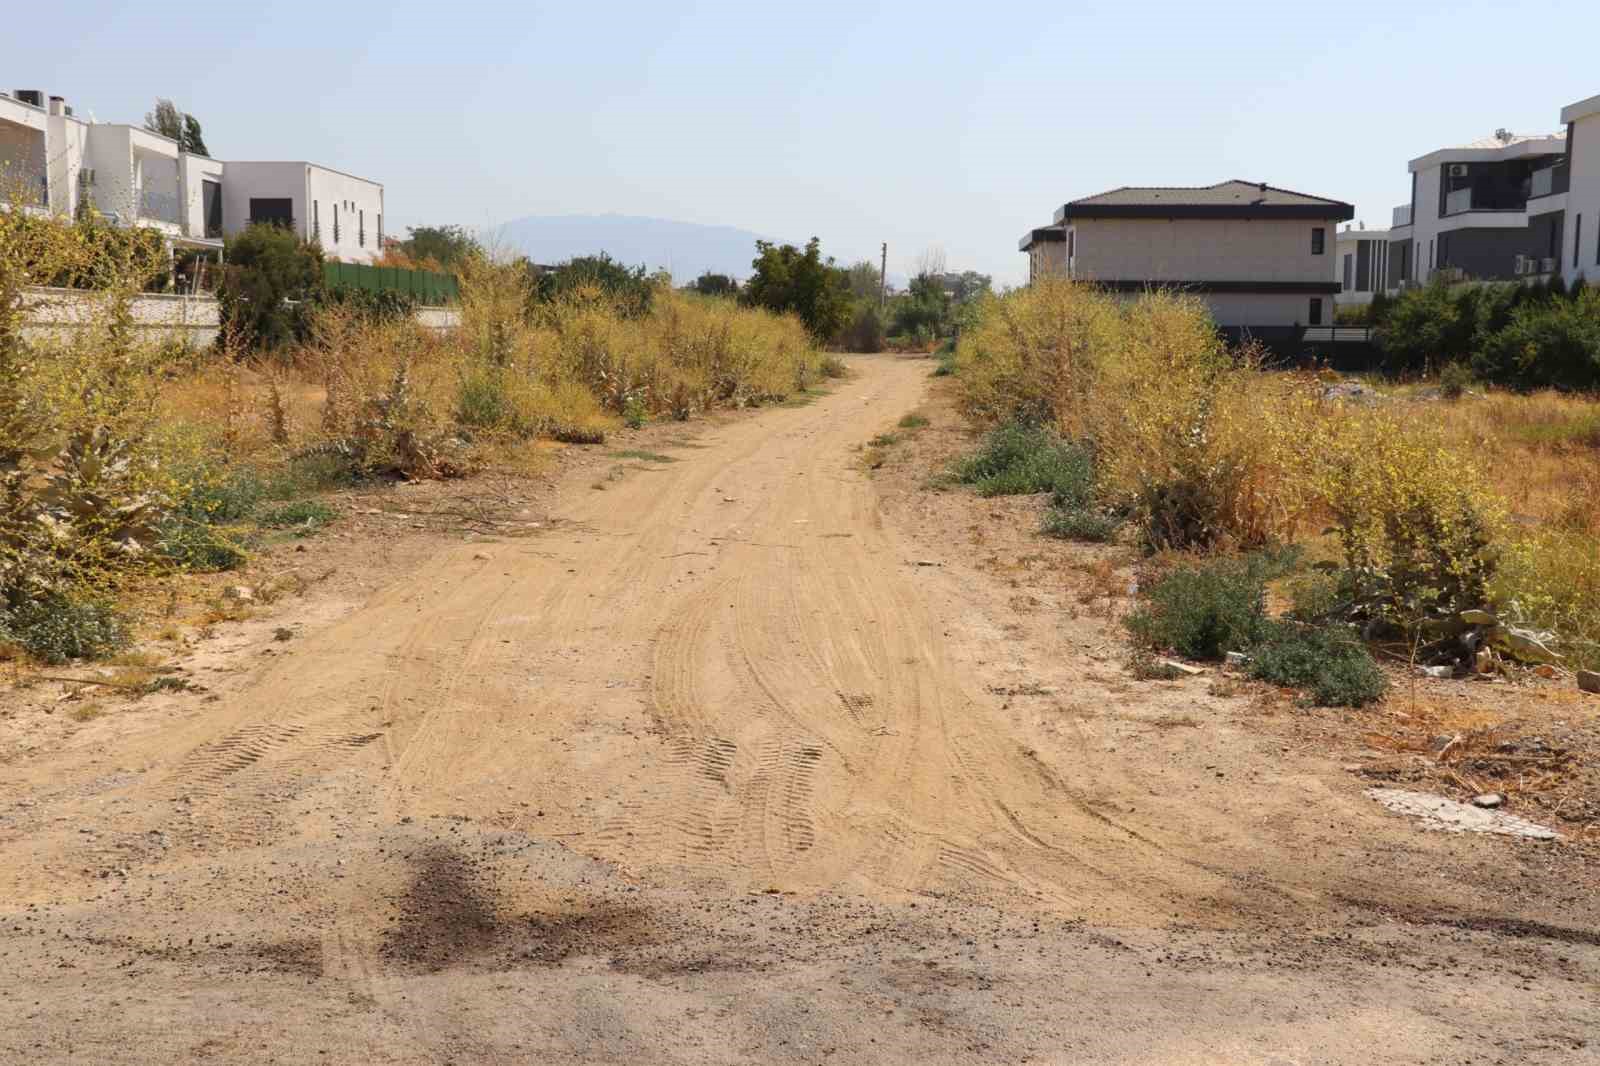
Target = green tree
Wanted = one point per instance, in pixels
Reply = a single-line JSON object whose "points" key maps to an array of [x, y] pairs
{"points": [[865, 278], [709, 284], [267, 268], [448, 246], [631, 288], [924, 311], [789, 280], [182, 127]]}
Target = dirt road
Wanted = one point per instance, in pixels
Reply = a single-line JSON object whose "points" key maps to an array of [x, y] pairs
{"points": [[739, 760]]}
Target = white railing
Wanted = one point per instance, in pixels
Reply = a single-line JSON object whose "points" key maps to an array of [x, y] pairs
{"points": [[1401, 216], [1458, 201]]}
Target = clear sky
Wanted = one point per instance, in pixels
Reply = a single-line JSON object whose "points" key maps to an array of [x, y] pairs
{"points": [[916, 123]]}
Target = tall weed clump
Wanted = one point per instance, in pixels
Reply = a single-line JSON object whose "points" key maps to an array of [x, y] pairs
{"points": [[82, 485], [1173, 417], [1417, 526]]}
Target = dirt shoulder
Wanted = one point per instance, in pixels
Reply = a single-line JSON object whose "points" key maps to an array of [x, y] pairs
{"points": [[750, 755]]}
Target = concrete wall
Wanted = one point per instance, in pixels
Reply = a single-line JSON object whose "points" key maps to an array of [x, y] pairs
{"points": [[193, 320], [1202, 250], [61, 313]]}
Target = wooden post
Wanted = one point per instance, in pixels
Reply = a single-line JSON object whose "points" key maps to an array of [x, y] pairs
{"points": [[883, 278]]}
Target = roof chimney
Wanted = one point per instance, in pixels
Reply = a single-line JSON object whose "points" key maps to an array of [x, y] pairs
{"points": [[1502, 135], [1263, 188], [58, 105]]}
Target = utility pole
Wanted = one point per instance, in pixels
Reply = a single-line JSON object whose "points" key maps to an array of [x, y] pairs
{"points": [[883, 278]]}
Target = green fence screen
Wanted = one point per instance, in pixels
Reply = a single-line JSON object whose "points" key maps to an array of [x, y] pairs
{"points": [[429, 288]]}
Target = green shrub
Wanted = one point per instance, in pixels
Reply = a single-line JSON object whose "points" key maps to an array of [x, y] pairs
{"points": [[1017, 459], [199, 546], [1454, 381], [865, 331], [1203, 612], [1079, 523], [831, 366], [268, 285], [58, 628], [1550, 343], [913, 421], [1330, 662], [217, 496], [303, 516]]}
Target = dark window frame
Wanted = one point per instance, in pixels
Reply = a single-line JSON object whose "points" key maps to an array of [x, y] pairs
{"points": [[1319, 240], [1316, 311], [1577, 239]]}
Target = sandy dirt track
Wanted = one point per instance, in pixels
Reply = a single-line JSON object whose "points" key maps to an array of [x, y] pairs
{"points": [[742, 761]]}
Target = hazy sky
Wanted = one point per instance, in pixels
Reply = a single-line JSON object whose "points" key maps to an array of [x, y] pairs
{"points": [[915, 123]]}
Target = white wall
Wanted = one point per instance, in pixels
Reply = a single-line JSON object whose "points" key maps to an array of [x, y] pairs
{"points": [[1267, 308], [1201, 250], [242, 181], [1425, 223], [195, 170], [358, 204], [112, 159], [69, 150], [1583, 197], [24, 154]]}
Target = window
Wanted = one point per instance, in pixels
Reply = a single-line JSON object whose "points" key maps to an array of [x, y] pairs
{"points": [[1430, 253], [1577, 238], [211, 205], [380, 230], [1319, 237], [1316, 310], [271, 211], [361, 228], [335, 223], [1072, 243], [316, 220], [1348, 268]]}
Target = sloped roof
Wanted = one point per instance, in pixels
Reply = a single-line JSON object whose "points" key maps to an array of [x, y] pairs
{"points": [[1226, 199]]}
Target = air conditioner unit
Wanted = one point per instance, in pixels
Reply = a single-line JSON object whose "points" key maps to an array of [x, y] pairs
{"points": [[1547, 266], [1520, 267], [1458, 170]]}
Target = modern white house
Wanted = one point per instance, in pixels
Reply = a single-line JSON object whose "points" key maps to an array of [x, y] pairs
{"points": [[1360, 264], [340, 211], [1259, 255], [1491, 209], [51, 160]]}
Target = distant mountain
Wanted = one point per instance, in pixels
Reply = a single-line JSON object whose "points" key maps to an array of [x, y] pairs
{"points": [[685, 248]]}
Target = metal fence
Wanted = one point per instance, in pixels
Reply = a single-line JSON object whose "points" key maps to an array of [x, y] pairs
{"points": [[430, 288]]}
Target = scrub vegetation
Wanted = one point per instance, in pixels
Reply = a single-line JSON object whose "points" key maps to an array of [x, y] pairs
{"points": [[124, 462], [1437, 524]]}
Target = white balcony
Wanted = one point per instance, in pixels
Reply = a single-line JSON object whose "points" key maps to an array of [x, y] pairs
{"points": [[1401, 216], [1457, 202]]}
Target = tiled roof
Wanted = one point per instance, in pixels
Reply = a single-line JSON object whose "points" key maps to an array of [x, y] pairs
{"points": [[1222, 194]]}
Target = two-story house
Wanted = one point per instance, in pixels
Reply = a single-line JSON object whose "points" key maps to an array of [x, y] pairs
{"points": [[1257, 254]]}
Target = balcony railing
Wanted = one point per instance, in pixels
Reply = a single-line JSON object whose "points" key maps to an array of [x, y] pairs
{"points": [[1457, 202], [1401, 216]]}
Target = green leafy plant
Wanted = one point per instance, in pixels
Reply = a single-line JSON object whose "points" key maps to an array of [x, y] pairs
{"points": [[1018, 459], [1203, 612], [1330, 662], [57, 628]]}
